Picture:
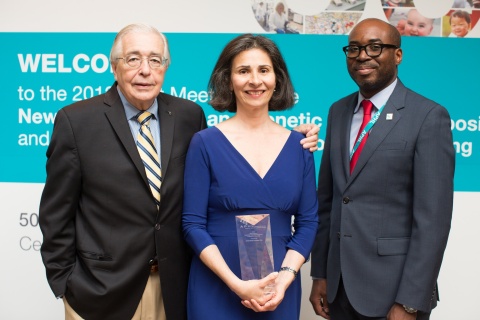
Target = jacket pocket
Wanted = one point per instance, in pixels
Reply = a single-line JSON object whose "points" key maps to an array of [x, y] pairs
{"points": [[96, 260], [400, 145], [94, 256], [392, 246]]}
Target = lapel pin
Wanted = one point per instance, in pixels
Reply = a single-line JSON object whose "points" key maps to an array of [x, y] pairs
{"points": [[389, 116]]}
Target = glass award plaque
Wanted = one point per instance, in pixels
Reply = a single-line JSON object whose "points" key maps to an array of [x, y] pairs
{"points": [[254, 246]]}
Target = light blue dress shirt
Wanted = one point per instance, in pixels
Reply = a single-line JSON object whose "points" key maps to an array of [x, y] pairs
{"points": [[131, 112], [378, 101]]}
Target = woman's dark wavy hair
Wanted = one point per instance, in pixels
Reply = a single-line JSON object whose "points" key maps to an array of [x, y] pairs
{"points": [[222, 97]]}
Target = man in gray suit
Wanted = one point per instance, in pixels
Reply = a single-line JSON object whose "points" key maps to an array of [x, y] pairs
{"points": [[384, 221]]}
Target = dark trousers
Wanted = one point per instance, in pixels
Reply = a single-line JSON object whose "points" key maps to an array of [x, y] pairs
{"points": [[341, 309]]}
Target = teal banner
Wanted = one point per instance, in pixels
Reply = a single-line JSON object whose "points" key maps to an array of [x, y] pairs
{"points": [[45, 71]]}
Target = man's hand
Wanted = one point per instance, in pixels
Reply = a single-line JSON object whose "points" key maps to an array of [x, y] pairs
{"points": [[397, 312], [318, 298], [310, 130]]}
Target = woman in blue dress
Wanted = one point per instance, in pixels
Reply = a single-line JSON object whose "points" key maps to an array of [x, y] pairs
{"points": [[248, 165]]}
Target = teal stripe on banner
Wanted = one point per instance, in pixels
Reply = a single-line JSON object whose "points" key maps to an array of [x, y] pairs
{"points": [[45, 71]]}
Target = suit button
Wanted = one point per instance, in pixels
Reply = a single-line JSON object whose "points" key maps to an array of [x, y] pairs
{"points": [[158, 226], [346, 200], [152, 261], [338, 235]]}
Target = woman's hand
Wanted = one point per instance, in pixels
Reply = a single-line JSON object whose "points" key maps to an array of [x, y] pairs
{"points": [[282, 282], [257, 290]]}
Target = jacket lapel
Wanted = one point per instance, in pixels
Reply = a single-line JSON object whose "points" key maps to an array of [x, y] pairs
{"points": [[116, 116], [382, 127], [166, 115], [345, 126]]}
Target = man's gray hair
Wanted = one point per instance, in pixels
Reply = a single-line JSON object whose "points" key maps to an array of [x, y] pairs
{"points": [[117, 48]]}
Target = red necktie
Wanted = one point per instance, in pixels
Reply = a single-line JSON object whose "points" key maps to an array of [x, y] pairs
{"points": [[367, 115]]}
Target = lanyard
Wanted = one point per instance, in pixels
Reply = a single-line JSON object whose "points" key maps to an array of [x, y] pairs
{"points": [[366, 130]]}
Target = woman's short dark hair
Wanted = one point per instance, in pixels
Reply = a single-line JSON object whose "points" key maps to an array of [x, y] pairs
{"points": [[219, 85]]}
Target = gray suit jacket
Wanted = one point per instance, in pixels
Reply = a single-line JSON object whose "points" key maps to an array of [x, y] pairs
{"points": [[98, 217], [384, 228]]}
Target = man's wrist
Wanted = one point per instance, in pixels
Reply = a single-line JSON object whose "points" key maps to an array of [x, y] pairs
{"points": [[409, 309]]}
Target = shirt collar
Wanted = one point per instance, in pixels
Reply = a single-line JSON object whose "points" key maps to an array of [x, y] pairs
{"points": [[131, 111], [378, 99]]}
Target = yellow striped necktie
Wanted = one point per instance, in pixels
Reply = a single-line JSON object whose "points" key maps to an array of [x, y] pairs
{"points": [[149, 155]]}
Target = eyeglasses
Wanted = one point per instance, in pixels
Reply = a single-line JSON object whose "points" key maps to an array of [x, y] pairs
{"points": [[372, 50], [135, 61]]}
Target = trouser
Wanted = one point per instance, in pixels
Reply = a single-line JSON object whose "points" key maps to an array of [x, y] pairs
{"points": [[150, 306]]}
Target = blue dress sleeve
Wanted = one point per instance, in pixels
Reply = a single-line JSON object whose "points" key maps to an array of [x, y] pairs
{"points": [[196, 193], [306, 221]]}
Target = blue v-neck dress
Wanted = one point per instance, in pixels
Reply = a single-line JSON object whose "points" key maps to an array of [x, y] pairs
{"points": [[219, 185]]}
